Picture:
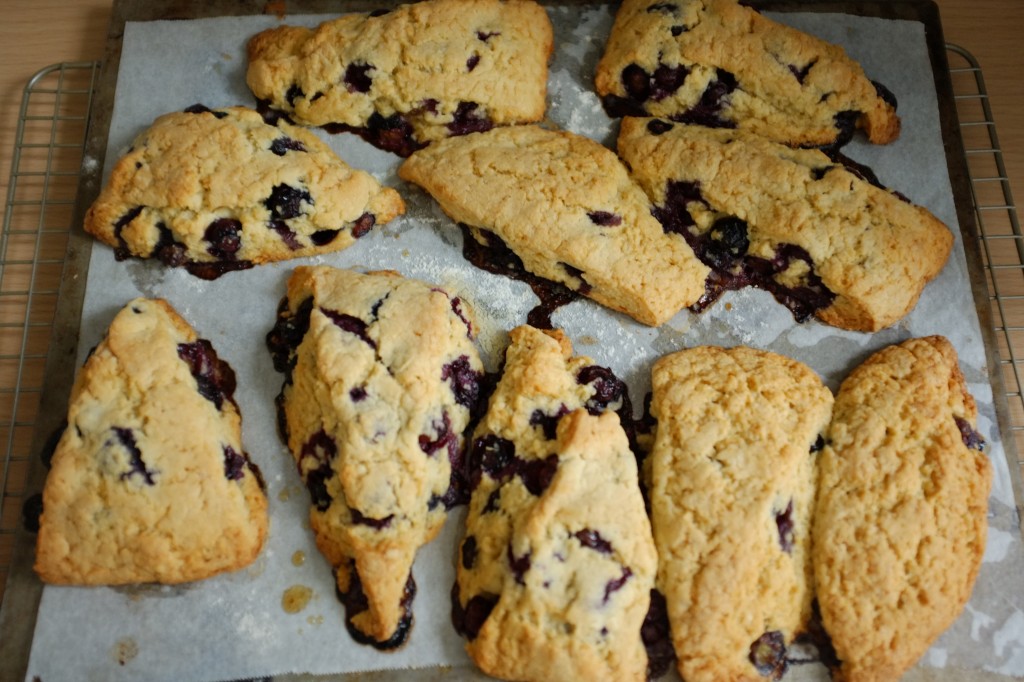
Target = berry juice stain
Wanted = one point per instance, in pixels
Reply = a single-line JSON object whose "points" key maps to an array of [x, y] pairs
{"points": [[296, 598]]}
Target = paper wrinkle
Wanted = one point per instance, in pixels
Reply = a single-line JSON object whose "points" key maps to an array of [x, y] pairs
{"points": [[233, 626]]}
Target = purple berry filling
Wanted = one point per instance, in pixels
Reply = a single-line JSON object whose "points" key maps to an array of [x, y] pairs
{"points": [[470, 618], [669, 7], [357, 77], [497, 258], [293, 93], [363, 224], [287, 235], [127, 440], [723, 249], [801, 73], [787, 528], [357, 394], [234, 463], [657, 638], [392, 134], [376, 524], [322, 450], [608, 388], [167, 250], [518, 565], [487, 36], [592, 539], [605, 218], [464, 380], [468, 552], [225, 238], [768, 655], [122, 252], [548, 422], [473, 60], [885, 94], [284, 339], [200, 109], [350, 324], [323, 237], [355, 602], [971, 438], [818, 445], [617, 584], [467, 119], [708, 111], [283, 145], [494, 456], [285, 202], [215, 379], [444, 437]]}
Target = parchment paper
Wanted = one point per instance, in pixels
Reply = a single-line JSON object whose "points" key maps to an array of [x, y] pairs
{"points": [[234, 626]]}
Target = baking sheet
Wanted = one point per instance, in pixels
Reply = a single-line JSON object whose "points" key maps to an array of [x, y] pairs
{"points": [[236, 625]]}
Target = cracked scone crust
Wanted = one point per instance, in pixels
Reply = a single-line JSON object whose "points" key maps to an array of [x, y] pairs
{"points": [[900, 525], [731, 479], [720, 64], [567, 207], [149, 481], [381, 377], [820, 238], [557, 566], [416, 74], [222, 190]]}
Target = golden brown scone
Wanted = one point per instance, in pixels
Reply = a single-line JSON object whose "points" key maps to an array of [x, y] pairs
{"points": [[731, 480], [900, 524], [820, 238], [222, 190], [381, 376], [556, 569], [406, 77], [567, 207], [721, 64], [150, 482]]}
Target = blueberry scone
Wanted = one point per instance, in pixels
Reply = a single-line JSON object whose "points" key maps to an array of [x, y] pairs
{"points": [[555, 572], [721, 64], [149, 481], [567, 207], [406, 77], [900, 525], [381, 377], [813, 233], [731, 480], [222, 190]]}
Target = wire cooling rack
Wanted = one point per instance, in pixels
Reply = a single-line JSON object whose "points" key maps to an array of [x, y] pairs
{"points": [[45, 171]]}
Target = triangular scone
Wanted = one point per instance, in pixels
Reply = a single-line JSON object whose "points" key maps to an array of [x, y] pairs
{"points": [[222, 190], [418, 73], [381, 378], [901, 519], [819, 237], [568, 208], [719, 63], [731, 479], [556, 570], [150, 482]]}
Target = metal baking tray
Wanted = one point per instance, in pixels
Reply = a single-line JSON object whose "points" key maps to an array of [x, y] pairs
{"points": [[23, 590]]}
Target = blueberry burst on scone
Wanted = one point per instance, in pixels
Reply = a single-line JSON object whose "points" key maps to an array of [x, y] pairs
{"points": [[149, 481], [381, 379], [555, 573], [222, 190], [406, 77], [901, 518], [731, 480], [720, 64], [819, 237]]}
